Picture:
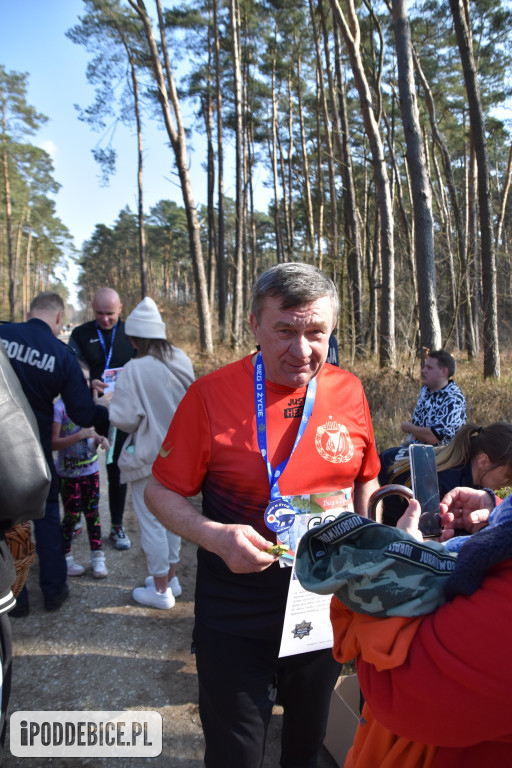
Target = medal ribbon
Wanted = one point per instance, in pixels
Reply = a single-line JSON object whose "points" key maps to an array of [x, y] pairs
{"points": [[261, 424], [104, 346]]}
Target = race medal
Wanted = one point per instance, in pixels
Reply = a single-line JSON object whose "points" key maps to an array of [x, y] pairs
{"points": [[279, 515]]}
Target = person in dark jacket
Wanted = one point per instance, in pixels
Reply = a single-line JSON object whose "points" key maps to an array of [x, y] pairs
{"points": [[46, 367], [103, 345]]}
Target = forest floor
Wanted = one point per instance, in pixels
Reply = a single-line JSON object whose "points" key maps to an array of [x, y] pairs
{"points": [[103, 651]]}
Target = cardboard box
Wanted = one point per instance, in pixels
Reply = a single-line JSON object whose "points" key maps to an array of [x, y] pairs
{"points": [[343, 718]]}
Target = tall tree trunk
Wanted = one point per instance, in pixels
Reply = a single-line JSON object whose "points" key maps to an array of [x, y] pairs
{"points": [[140, 209], [8, 225], [504, 197], [456, 212], [320, 201], [305, 162], [333, 229], [286, 201], [206, 106], [273, 155], [351, 219], [178, 142], [351, 34], [291, 149], [490, 303], [454, 296], [222, 280], [236, 327], [420, 183], [474, 271]]}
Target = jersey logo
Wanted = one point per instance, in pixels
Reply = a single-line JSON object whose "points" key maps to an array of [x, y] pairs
{"points": [[164, 453], [333, 442]]}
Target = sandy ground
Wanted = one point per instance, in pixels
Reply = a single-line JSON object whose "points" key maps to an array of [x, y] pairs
{"points": [[102, 651]]}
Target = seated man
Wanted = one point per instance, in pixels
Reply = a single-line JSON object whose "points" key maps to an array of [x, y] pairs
{"points": [[439, 412]]}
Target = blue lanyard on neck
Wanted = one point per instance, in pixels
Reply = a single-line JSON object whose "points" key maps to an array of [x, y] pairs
{"points": [[261, 424], [104, 346]]}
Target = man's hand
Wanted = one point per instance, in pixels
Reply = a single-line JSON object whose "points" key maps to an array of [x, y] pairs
{"points": [[242, 548], [465, 509], [410, 519]]}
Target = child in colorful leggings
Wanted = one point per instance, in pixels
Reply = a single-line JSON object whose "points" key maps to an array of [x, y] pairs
{"points": [[78, 471]]}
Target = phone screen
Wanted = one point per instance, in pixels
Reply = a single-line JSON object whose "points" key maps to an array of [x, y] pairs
{"points": [[425, 488]]}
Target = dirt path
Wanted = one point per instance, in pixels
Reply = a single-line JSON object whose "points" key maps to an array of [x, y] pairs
{"points": [[102, 651]]}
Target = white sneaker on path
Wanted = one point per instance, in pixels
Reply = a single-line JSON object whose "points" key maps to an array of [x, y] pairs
{"points": [[99, 569], [150, 596]]}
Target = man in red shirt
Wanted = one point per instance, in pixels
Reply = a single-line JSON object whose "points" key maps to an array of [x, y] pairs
{"points": [[250, 436]]}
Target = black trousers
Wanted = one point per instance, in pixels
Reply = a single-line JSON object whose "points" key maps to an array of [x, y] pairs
{"points": [[116, 489], [239, 680]]}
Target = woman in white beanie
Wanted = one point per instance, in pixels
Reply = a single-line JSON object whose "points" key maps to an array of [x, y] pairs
{"points": [[147, 393]]}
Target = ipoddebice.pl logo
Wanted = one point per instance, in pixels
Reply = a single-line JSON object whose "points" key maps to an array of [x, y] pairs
{"points": [[74, 733]]}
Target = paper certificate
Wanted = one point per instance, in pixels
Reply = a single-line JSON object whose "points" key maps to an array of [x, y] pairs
{"points": [[307, 625], [109, 377]]}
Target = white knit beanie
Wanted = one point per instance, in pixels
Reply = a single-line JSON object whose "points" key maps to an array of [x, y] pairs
{"points": [[145, 321]]}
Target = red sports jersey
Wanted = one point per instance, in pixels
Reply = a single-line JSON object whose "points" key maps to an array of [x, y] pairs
{"points": [[212, 439], [212, 446]]}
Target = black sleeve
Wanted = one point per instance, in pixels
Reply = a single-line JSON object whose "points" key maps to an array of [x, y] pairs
{"points": [[72, 344]]}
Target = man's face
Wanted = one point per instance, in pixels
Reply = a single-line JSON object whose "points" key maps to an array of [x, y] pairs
{"points": [[433, 375], [294, 342], [107, 309]]}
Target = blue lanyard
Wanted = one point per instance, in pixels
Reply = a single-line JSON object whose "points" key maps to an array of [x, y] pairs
{"points": [[102, 342], [261, 424]]}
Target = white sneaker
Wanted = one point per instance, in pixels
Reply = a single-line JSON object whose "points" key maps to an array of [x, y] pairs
{"points": [[73, 569], [149, 596], [174, 585], [99, 569]]}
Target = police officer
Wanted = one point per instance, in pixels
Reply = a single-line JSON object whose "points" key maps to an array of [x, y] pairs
{"points": [[46, 368]]}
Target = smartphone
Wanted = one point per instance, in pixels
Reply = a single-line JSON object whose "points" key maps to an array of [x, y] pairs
{"points": [[425, 488]]}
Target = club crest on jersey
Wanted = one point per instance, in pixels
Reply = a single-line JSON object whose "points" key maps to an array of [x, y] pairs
{"points": [[333, 443]]}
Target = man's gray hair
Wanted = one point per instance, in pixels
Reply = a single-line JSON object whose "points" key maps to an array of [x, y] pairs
{"points": [[48, 300], [296, 284]]}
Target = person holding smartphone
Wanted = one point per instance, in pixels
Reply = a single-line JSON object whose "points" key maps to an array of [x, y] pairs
{"points": [[437, 687]]}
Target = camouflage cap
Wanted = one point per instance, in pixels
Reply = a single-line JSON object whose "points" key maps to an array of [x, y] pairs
{"points": [[372, 568]]}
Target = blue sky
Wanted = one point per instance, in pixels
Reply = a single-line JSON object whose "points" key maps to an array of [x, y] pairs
{"points": [[32, 40]]}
